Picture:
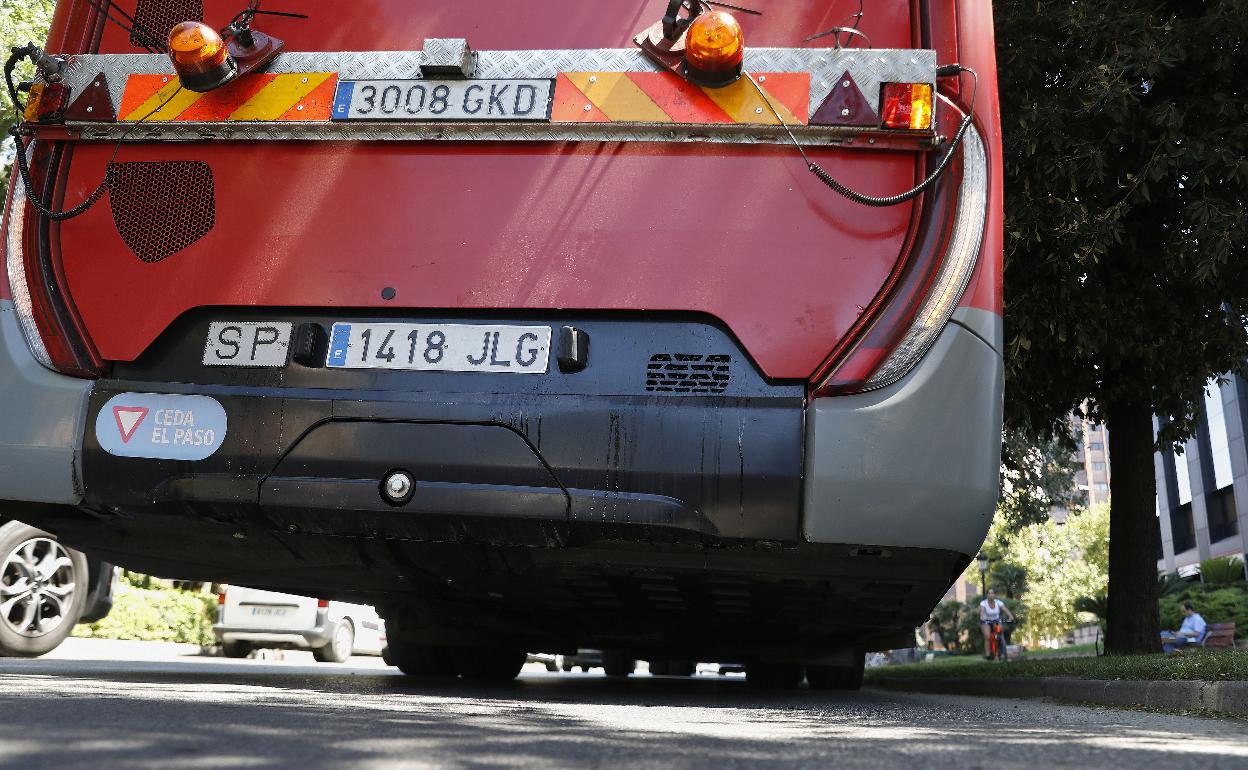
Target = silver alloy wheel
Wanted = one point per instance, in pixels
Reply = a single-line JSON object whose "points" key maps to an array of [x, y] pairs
{"points": [[36, 587]]}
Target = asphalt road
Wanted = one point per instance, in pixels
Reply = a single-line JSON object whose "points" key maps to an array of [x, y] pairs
{"points": [[96, 705]]}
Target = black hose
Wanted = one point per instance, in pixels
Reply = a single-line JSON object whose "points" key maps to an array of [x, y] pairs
{"points": [[33, 52]]}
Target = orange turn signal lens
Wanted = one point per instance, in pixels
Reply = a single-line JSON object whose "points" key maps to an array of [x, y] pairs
{"points": [[714, 49], [200, 57], [907, 106]]}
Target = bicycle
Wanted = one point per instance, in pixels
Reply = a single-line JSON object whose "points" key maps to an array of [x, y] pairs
{"points": [[996, 647]]}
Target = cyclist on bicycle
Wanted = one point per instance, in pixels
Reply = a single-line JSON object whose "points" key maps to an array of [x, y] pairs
{"points": [[990, 610]]}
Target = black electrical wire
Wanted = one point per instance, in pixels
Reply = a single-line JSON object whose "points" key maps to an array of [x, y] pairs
{"points": [[23, 167], [948, 70], [148, 40]]}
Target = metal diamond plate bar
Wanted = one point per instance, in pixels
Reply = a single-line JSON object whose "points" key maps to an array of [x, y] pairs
{"points": [[869, 68], [359, 131]]}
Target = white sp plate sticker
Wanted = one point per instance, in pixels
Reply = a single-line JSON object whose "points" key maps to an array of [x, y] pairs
{"points": [[248, 343], [161, 426]]}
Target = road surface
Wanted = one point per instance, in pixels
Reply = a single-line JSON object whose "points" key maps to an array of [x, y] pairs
{"points": [[99, 704]]}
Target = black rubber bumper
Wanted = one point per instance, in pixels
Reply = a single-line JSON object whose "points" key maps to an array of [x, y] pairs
{"points": [[620, 448]]}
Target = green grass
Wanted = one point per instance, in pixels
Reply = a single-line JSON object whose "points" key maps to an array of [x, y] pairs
{"points": [[1205, 666], [1082, 649]]}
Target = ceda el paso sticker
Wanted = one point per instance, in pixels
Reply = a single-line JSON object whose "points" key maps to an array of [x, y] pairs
{"points": [[160, 426]]}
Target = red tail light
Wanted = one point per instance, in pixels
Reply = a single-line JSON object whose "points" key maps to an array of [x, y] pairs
{"points": [[49, 322], [221, 599], [923, 296], [322, 603], [908, 106]]}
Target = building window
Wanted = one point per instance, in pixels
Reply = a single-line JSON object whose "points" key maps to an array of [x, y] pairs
{"points": [[1219, 447], [1101, 486], [1097, 446], [1182, 529], [1094, 428], [1223, 520], [1098, 466], [1183, 481]]}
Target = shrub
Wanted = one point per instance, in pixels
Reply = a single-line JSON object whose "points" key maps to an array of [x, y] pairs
{"points": [[155, 615], [1223, 571], [1215, 605]]}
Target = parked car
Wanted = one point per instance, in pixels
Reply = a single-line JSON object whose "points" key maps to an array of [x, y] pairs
{"points": [[596, 325], [45, 589], [250, 619]]}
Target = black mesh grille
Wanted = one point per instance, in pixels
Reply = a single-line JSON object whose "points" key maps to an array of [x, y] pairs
{"points": [[688, 373], [161, 208], [154, 18]]}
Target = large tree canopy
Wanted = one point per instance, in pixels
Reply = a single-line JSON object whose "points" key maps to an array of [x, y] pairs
{"points": [[1125, 172]]}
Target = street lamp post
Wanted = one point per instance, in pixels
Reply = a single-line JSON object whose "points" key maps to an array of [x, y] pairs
{"points": [[983, 573]]}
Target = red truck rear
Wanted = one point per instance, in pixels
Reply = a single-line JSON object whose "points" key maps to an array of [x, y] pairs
{"points": [[537, 328]]}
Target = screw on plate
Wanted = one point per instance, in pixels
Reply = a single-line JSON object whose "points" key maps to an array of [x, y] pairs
{"points": [[845, 113], [89, 109], [305, 80], [593, 78], [589, 107], [762, 78], [844, 84], [299, 107], [758, 110], [397, 487]]}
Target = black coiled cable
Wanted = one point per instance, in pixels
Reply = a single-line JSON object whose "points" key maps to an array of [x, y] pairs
{"points": [[33, 52], [947, 70]]}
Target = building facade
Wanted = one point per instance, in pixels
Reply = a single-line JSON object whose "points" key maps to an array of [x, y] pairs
{"points": [[1202, 493], [1092, 463]]}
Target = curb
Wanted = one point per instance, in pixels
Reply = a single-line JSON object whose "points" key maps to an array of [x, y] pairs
{"points": [[1224, 697]]}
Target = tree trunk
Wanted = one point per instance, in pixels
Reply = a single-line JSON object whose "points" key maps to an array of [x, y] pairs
{"points": [[1134, 539]]}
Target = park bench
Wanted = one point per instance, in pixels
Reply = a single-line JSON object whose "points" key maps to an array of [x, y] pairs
{"points": [[1219, 635]]}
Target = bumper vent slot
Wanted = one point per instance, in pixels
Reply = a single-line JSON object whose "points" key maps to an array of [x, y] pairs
{"points": [[688, 373], [163, 207], [154, 18]]}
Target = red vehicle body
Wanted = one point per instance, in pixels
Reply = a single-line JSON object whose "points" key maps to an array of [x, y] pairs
{"points": [[797, 510]]}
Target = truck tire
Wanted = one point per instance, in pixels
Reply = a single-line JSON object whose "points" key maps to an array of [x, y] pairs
{"points": [[43, 586], [835, 677], [340, 646], [426, 661], [766, 675], [488, 664], [236, 649], [617, 664]]}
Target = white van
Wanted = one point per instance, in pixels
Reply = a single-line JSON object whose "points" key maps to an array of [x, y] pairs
{"points": [[249, 618]]}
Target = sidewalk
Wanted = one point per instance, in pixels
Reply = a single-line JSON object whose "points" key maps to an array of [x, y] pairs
{"points": [[1221, 697]]}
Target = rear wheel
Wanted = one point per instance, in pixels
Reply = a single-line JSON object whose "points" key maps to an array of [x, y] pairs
{"points": [[766, 675], [1002, 653], [43, 586], [617, 664], [340, 645], [421, 660], [836, 677], [488, 664], [236, 649]]}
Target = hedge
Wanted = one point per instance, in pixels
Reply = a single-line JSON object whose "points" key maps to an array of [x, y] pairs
{"points": [[1215, 605], [155, 615]]}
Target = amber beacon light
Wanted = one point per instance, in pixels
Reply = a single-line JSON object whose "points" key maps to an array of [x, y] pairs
{"points": [[714, 49], [200, 57]]}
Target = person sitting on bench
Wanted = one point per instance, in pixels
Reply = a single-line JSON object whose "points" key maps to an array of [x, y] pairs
{"points": [[1191, 632]]}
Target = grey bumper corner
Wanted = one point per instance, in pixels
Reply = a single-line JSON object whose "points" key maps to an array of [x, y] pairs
{"points": [[916, 464], [41, 425]]}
